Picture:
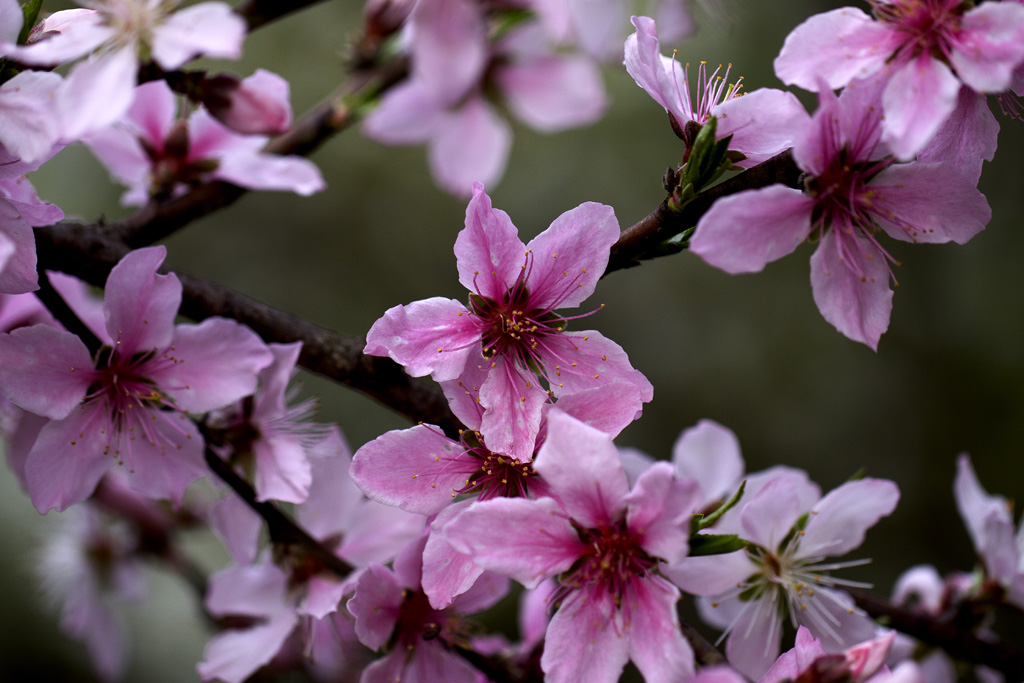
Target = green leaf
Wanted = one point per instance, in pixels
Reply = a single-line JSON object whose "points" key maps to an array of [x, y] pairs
{"points": [[707, 521], [30, 10], [715, 544]]}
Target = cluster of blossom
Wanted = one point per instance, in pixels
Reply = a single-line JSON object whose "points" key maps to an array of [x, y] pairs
{"points": [[109, 406]]}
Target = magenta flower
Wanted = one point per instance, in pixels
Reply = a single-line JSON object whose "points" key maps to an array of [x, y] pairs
{"points": [[128, 405], [784, 571], [514, 291], [155, 153], [917, 45], [762, 123], [115, 33], [852, 192], [605, 543]]}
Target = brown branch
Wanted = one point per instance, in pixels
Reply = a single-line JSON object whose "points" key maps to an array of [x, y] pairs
{"points": [[279, 526], [705, 653], [259, 12], [642, 240], [82, 251], [944, 634]]}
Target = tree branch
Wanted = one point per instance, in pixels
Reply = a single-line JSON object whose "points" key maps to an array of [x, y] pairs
{"points": [[82, 251], [642, 240], [259, 12], [944, 634]]}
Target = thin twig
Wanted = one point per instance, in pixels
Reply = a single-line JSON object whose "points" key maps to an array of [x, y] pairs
{"points": [[259, 12]]}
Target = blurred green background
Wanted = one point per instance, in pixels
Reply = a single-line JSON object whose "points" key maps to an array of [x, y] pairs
{"points": [[751, 352]]}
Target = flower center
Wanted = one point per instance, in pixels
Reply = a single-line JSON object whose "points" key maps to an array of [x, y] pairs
{"points": [[928, 25], [493, 475]]}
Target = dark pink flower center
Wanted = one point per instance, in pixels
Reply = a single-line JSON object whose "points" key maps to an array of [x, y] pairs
{"points": [[418, 621], [613, 562], [928, 26], [492, 475]]}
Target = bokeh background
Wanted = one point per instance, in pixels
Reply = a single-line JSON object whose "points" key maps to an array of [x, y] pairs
{"points": [[751, 352]]}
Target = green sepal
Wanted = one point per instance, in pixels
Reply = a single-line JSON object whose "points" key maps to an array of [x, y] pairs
{"points": [[505, 22], [715, 544], [700, 522], [30, 10], [859, 474]]}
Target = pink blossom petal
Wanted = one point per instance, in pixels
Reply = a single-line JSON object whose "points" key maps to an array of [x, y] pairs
{"points": [[257, 105], [378, 533], [37, 213], [234, 655], [67, 460], [30, 127], [512, 404], [711, 574], [19, 443], [840, 520], [447, 573], [251, 590], [858, 306], [44, 370], [69, 34], [583, 644], [117, 147], [449, 47], [282, 469], [659, 76], [837, 46], [794, 662], [18, 273], [609, 408], [164, 460], [11, 21], [431, 661], [414, 469], [989, 46], [908, 208], [754, 641], [463, 393], [919, 98], [967, 138], [334, 499], [564, 269], [211, 29], [217, 363], [485, 593], [599, 26], [488, 250], [408, 114], [710, 454], [551, 94], [97, 92], [540, 542], [87, 307], [762, 123], [772, 512], [270, 402], [744, 232], [594, 361], [430, 337], [973, 502], [471, 145], [656, 645], [238, 526], [154, 111], [323, 595], [836, 621], [271, 172], [660, 508], [582, 467], [140, 304], [375, 606], [922, 584]]}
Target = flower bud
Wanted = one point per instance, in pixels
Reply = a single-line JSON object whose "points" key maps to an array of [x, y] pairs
{"points": [[257, 105]]}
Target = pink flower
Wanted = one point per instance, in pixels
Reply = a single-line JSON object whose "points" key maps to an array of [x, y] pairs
{"points": [[20, 211], [514, 291], [917, 45], [762, 123], [114, 33], [605, 543], [791, 530], [391, 610], [454, 68], [852, 192], [155, 153], [30, 127], [127, 405], [257, 105]]}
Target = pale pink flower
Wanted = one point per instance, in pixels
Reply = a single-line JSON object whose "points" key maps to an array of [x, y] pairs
{"points": [[925, 48], [605, 543], [29, 127], [20, 211], [762, 123], [127, 405], [784, 571], [115, 34], [257, 105], [852, 192], [156, 153], [446, 101]]}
